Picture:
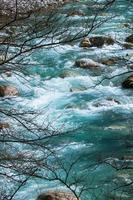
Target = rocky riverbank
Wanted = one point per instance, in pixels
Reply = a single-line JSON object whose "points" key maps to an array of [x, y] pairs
{"points": [[9, 7]]}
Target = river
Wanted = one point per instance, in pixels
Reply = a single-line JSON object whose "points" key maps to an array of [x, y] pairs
{"points": [[96, 116]]}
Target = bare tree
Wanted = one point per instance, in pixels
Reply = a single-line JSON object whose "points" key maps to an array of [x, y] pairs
{"points": [[22, 34]]}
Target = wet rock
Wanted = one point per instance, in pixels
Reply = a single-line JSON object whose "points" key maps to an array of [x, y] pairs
{"points": [[85, 42], [126, 25], [107, 102], [75, 13], [129, 39], [8, 73], [4, 126], [2, 58], [130, 65], [68, 73], [8, 91], [113, 100], [56, 196], [110, 61], [68, 1], [78, 89], [128, 157], [128, 83], [87, 63], [128, 45], [99, 41]]}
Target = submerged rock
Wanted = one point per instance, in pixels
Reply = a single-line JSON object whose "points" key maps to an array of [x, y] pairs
{"points": [[128, 83], [129, 39], [97, 41], [87, 63], [68, 73], [107, 102], [113, 100], [78, 89], [110, 61], [8, 91], [56, 196], [75, 13]]}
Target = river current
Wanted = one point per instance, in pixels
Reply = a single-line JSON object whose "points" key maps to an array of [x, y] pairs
{"points": [[96, 116]]}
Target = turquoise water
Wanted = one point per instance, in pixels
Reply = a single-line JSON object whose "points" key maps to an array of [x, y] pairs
{"points": [[89, 133]]}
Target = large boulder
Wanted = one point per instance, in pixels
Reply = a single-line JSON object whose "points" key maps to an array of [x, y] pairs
{"points": [[87, 63], [56, 196], [128, 83], [129, 39], [97, 41], [8, 91]]}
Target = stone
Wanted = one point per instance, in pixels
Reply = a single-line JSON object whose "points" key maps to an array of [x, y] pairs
{"points": [[51, 195], [87, 63], [110, 61], [85, 42], [75, 13], [128, 82], [113, 100], [129, 39], [8, 73], [8, 91], [110, 101], [99, 41], [128, 45], [4, 126], [68, 73]]}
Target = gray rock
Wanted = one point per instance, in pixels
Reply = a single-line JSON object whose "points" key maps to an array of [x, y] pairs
{"points": [[87, 63]]}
